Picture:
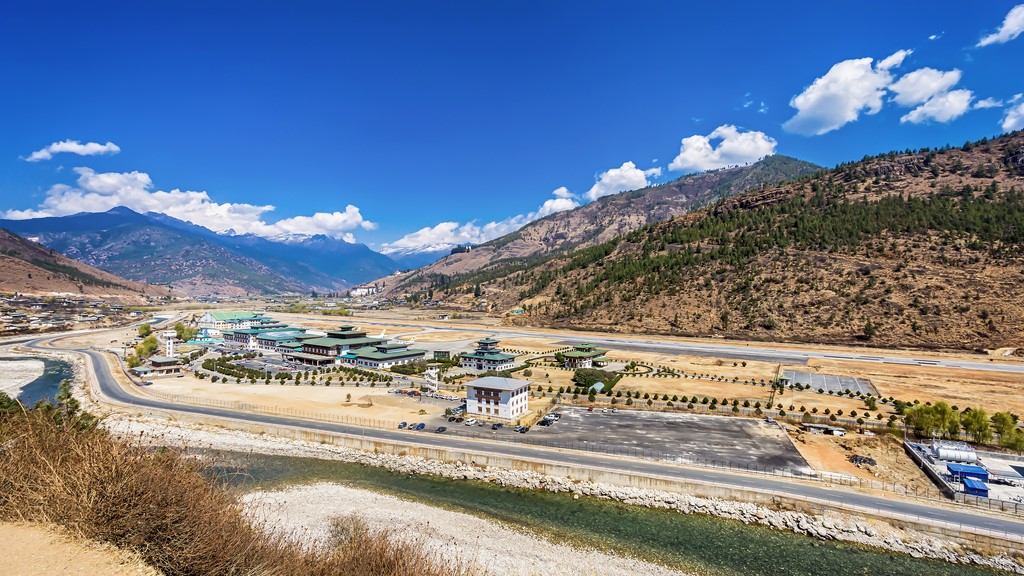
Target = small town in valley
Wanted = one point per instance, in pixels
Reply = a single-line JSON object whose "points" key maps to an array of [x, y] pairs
{"points": [[512, 289]]}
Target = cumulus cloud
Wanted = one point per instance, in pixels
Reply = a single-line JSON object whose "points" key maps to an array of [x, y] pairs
{"points": [[449, 234], [101, 191], [1013, 26], [625, 177], [734, 147], [73, 147], [920, 85], [1014, 119], [945, 107], [850, 88], [987, 103]]}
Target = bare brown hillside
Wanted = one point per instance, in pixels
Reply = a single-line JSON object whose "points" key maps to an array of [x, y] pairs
{"points": [[28, 268]]}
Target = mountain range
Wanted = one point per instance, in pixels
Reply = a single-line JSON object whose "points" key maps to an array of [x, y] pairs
{"points": [[607, 218], [159, 249], [919, 248], [29, 268]]}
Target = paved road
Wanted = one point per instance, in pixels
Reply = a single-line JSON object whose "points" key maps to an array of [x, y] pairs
{"points": [[113, 391], [753, 352]]}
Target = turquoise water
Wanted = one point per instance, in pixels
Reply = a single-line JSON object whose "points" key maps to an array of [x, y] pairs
{"points": [[701, 544], [44, 387]]}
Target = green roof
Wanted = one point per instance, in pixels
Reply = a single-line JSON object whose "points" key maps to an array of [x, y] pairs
{"points": [[278, 336], [295, 345], [329, 342], [492, 356], [226, 316], [580, 354], [488, 341], [372, 353]]}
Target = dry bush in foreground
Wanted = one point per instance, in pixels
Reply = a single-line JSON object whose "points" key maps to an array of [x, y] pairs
{"points": [[160, 505]]}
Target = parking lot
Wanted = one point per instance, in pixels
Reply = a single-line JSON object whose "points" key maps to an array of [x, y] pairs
{"points": [[829, 383], [740, 442], [689, 437]]}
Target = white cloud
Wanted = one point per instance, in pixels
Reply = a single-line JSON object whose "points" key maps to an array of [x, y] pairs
{"points": [[73, 147], [1014, 119], [1013, 26], [98, 192], [763, 109], [625, 177], [1016, 98], [936, 36], [450, 234], [987, 103], [850, 88], [920, 85], [945, 107], [698, 153]]}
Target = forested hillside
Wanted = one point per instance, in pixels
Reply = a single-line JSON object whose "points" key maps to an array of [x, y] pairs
{"points": [[920, 248]]}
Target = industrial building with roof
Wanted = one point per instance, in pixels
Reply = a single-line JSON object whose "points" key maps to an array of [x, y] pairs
{"points": [[496, 397], [584, 355], [487, 357]]}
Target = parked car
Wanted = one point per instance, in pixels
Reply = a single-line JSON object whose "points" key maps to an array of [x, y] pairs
{"points": [[517, 428], [440, 429], [471, 421], [590, 409], [403, 425], [459, 420], [496, 426], [451, 418], [420, 426], [524, 429], [412, 426], [545, 422]]}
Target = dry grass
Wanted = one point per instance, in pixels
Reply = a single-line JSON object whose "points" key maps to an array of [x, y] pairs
{"points": [[159, 505]]}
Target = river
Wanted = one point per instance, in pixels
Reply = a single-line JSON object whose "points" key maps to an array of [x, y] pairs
{"points": [[690, 542], [46, 385]]}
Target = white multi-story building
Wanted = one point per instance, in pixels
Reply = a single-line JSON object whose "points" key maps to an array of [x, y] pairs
{"points": [[496, 397]]}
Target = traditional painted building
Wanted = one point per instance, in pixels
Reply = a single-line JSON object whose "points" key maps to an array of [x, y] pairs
{"points": [[230, 320], [384, 356], [584, 356], [498, 398], [488, 356], [329, 349]]}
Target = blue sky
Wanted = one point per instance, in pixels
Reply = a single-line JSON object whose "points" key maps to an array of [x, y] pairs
{"points": [[403, 124]]}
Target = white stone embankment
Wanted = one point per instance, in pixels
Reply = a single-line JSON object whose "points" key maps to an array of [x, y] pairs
{"points": [[830, 526], [16, 374]]}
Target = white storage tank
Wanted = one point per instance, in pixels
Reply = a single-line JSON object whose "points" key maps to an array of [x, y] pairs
{"points": [[954, 452]]}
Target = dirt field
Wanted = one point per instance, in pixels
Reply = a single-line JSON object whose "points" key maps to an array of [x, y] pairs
{"points": [[741, 392], [38, 550], [994, 391], [366, 402], [831, 454]]}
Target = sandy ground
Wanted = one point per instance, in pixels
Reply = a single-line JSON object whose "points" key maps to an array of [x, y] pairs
{"points": [[994, 391], [831, 454], [490, 547], [39, 550], [15, 374], [366, 402], [700, 388]]}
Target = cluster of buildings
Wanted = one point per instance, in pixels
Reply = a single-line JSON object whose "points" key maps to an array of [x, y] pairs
{"points": [[19, 313], [487, 356], [259, 332]]}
